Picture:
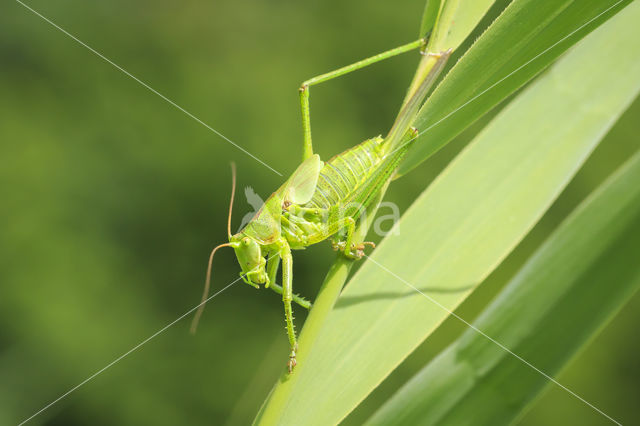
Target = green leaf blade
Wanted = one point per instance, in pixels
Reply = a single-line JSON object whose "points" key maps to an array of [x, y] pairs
{"points": [[429, 16], [456, 20], [524, 39], [566, 292]]}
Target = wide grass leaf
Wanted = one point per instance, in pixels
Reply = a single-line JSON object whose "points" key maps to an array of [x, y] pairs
{"points": [[448, 23], [429, 16], [568, 290], [523, 40], [460, 229], [455, 21]]}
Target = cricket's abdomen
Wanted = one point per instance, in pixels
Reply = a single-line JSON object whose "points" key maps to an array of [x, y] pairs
{"points": [[343, 174]]}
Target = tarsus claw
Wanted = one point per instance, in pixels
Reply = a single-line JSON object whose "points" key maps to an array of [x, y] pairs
{"points": [[291, 363]]}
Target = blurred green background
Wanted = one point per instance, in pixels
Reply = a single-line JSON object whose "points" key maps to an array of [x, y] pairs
{"points": [[112, 199]]}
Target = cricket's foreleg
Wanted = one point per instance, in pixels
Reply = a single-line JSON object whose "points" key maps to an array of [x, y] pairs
{"points": [[287, 297], [304, 88]]}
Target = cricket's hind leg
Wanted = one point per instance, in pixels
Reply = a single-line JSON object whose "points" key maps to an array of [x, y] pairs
{"points": [[304, 87]]}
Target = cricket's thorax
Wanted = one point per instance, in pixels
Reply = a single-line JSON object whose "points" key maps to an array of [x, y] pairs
{"points": [[345, 173]]}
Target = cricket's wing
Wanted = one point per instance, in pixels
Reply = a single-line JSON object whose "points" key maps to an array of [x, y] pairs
{"points": [[302, 184]]}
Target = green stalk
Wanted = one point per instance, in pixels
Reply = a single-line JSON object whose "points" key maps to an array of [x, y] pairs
{"points": [[425, 70]]}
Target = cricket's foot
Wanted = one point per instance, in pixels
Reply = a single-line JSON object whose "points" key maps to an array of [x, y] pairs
{"points": [[356, 251], [292, 359]]}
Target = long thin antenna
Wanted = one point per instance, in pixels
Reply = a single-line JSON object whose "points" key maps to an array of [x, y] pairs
{"points": [[233, 193], [207, 284]]}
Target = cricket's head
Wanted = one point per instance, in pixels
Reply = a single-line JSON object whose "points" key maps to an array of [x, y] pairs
{"points": [[250, 257]]}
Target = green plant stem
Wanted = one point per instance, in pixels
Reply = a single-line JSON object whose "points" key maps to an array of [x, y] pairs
{"points": [[426, 65]]}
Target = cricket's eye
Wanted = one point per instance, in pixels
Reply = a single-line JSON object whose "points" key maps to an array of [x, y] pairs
{"points": [[246, 241]]}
